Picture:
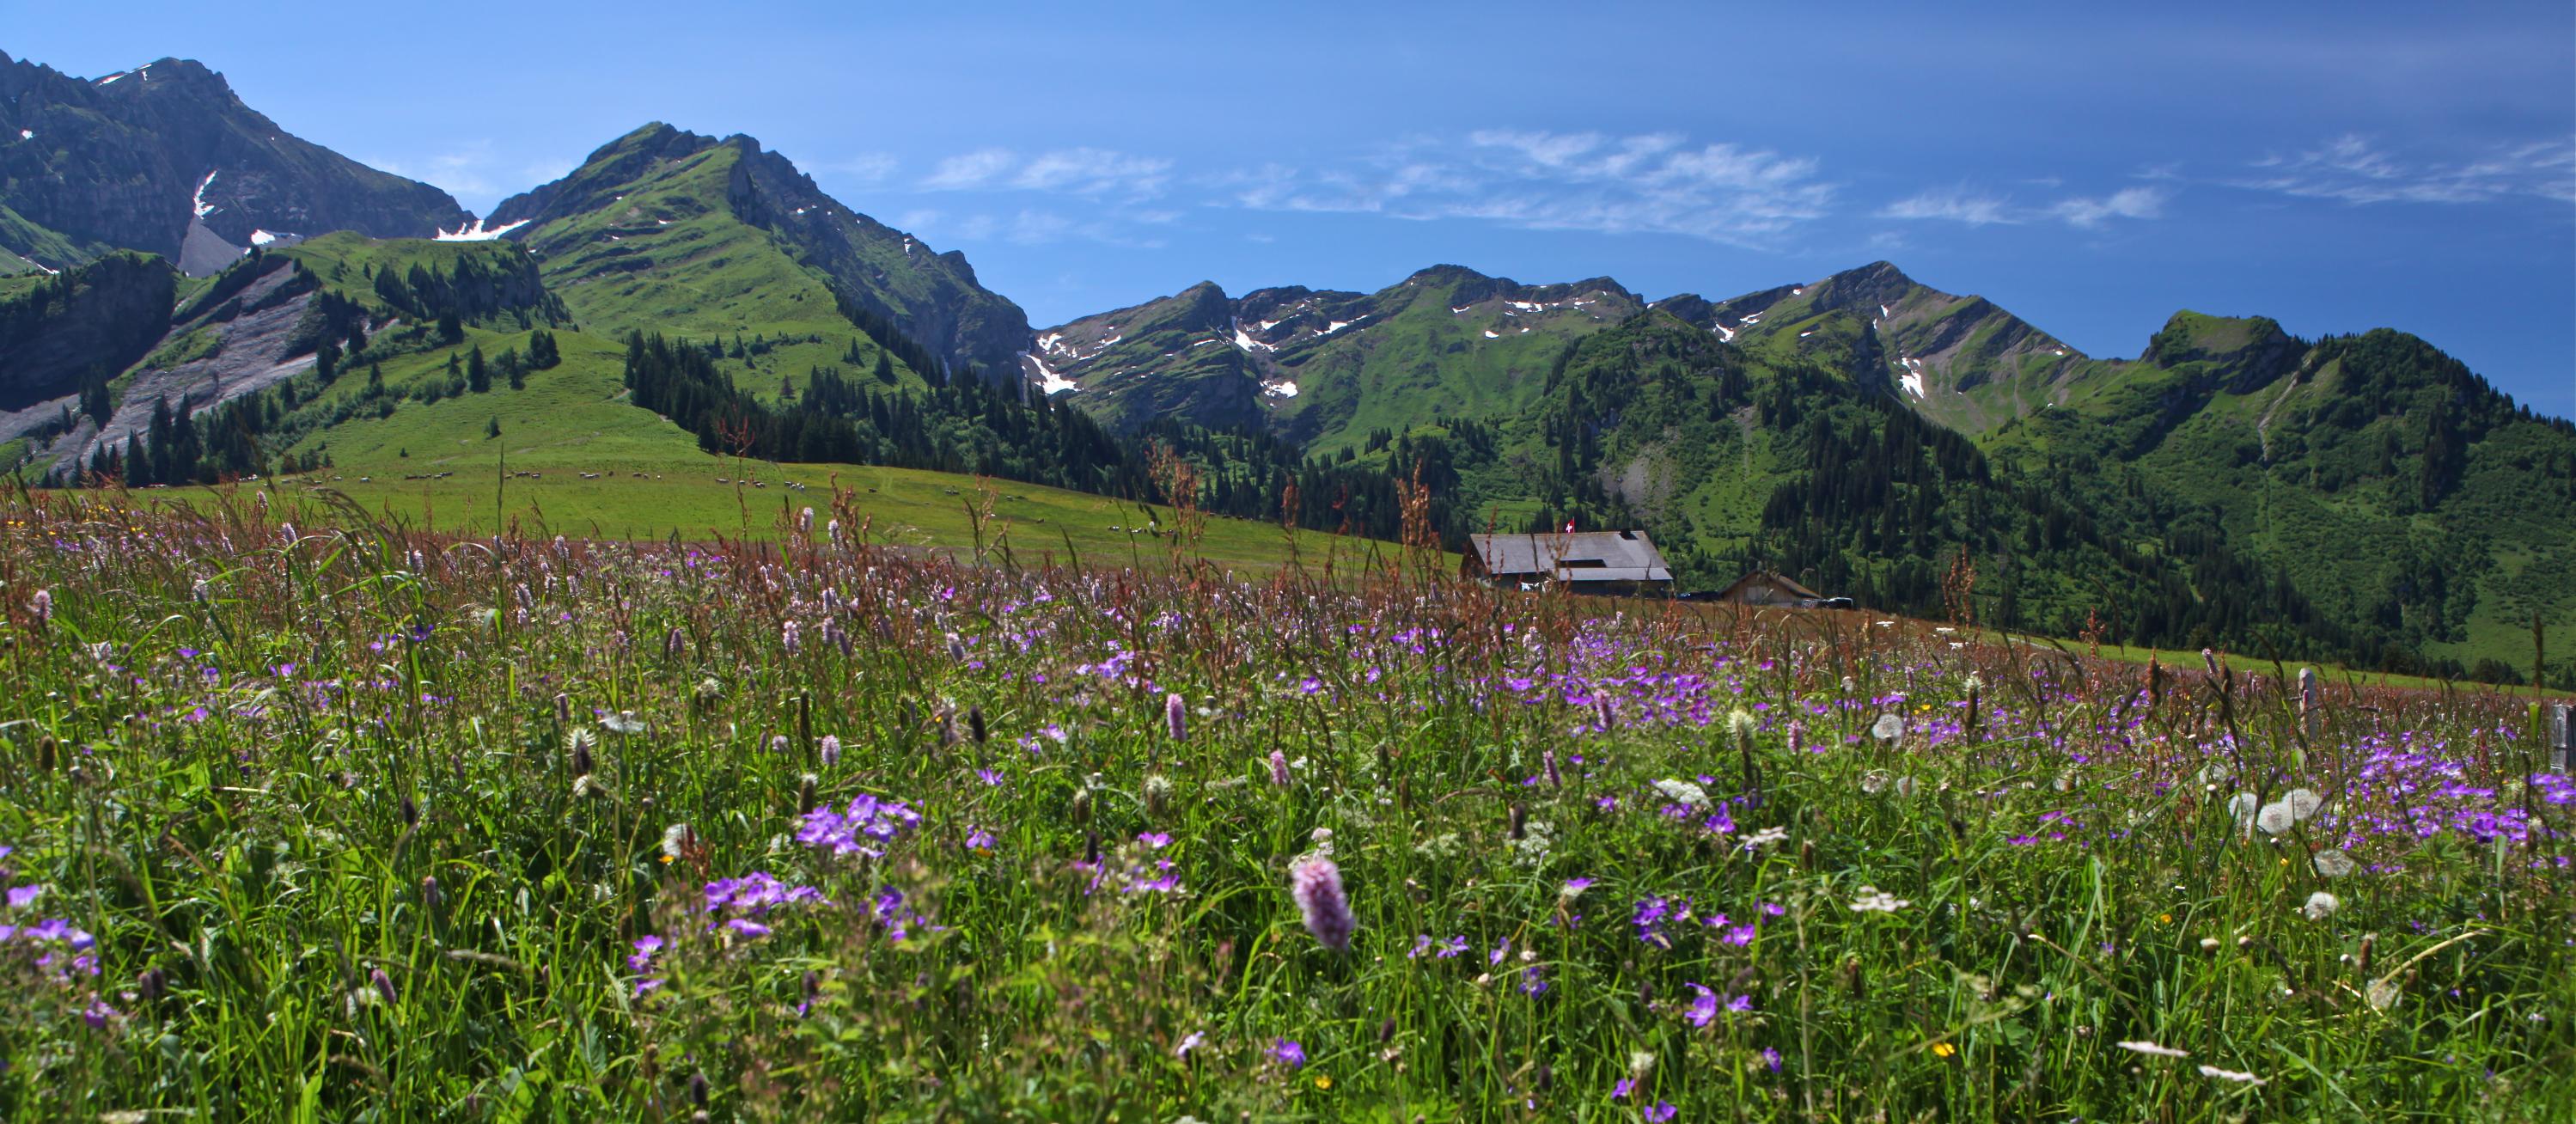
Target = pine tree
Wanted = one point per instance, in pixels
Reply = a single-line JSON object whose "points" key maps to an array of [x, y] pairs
{"points": [[478, 376]]}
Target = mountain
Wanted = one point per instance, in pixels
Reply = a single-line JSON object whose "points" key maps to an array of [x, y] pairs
{"points": [[1960, 361], [1324, 369], [191, 295], [665, 230], [166, 160]]}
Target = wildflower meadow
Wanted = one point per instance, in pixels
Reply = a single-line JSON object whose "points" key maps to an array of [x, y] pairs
{"points": [[308, 817]]}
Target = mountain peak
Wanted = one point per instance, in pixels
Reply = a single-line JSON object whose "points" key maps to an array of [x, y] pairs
{"points": [[1445, 274], [2239, 348]]}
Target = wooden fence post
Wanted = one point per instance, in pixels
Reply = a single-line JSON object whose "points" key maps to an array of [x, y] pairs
{"points": [[2562, 737]]}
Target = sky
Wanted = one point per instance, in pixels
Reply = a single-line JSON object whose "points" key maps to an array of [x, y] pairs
{"points": [[2092, 168]]}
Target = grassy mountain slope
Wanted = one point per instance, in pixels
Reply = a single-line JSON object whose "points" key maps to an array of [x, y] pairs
{"points": [[1326, 369], [1960, 361], [2397, 489], [662, 230]]}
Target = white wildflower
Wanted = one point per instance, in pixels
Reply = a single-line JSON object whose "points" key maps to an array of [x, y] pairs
{"points": [[2382, 994], [1683, 793], [2321, 905], [1888, 729], [2334, 864], [2275, 818], [2143, 1047], [1767, 837], [2242, 807], [2302, 803], [2231, 1075], [1873, 781], [1874, 900]]}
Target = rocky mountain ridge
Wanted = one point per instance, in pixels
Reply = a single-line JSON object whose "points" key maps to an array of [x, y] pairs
{"points": [[166, 159]]}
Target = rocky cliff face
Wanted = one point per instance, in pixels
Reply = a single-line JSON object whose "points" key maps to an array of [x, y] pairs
{"points": [[165, 159]]}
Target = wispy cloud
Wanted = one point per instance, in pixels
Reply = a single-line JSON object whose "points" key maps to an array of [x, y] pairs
{"points": [[971, 170], [1094, 171], [1956, 205], [1091, 172], [2126, 203], [1976, 208], [1649, 183], [2355, 169]]}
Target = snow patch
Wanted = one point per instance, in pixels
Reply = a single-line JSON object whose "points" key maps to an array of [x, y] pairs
{"points": [[1756, 318], [1912, 379], [1338, 325], [2060, 353], [263, 238], [204, 208], [111, 78], [1281, 388], [1052, 341], [1882, 312], [1461, 310], [1245, 341], [477, 232], [1798, 292], [1493, 335], [26, 134], [1204, 343], [1723, 332], [1048, 381], [1803, 335]]}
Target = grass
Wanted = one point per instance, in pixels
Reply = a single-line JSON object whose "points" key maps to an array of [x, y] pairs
{"points": [[351, 822]]}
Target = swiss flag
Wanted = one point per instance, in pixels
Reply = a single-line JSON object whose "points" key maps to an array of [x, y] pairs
{"points": [[1569, 526]]}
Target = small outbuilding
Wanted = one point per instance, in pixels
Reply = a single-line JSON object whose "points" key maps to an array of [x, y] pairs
{"points": [[1762, 587], [1607, 563]]}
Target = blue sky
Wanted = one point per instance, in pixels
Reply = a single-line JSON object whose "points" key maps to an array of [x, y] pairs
{"points": [[2336, 166]]}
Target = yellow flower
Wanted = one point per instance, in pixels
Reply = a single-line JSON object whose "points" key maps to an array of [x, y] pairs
{"points": [[1323, 1082], [1943, 1049], [2164, 918]]}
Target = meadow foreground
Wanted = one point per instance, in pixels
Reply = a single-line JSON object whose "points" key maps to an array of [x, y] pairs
{"points": [[341, 822]]}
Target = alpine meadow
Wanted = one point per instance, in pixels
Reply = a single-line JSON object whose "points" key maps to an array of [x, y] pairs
{"points": [[666, 645]]}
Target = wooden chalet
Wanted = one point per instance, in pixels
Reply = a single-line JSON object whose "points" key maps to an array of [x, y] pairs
{"points": [[1607, 563]]}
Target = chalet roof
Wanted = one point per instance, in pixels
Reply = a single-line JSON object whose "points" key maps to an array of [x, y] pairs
{"points": [[1793, 588], [1590, 556]]}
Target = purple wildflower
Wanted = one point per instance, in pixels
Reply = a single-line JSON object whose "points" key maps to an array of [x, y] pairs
{"points": [[1317, 885], [1702, 1010], [1287, 1052]]}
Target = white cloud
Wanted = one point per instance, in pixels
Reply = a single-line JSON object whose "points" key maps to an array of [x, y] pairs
{"points": [[1094, 171], [974, 169], [1956, 205], [2126, 203], [1648, 183], [2356, 170]]}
